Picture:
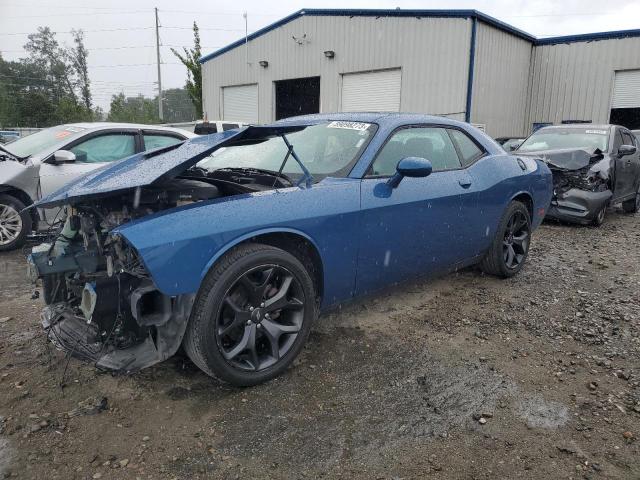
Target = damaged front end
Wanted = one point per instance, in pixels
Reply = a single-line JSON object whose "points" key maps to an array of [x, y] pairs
{"points": [[581, 184], [102, 305]]}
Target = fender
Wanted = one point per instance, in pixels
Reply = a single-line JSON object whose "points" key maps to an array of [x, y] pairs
{"points": [[242, 238]]}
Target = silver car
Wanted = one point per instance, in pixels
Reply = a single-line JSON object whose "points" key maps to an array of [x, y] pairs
{"points": [[41, 163]]}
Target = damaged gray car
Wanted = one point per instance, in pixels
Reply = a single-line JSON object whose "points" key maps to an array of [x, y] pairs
{"points": [[593, 166]]}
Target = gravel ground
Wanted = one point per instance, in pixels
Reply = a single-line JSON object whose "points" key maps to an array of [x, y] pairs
{"points": [[466, 377]]}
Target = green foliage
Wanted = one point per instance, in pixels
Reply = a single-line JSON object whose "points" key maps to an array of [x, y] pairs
{"points": [[194, 70], [139, 109], [49, 87]]}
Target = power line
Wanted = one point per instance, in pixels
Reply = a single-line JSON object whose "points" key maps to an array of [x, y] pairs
{"points": [[115, 48], [85, 31]]}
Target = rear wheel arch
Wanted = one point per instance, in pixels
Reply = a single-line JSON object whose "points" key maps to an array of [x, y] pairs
{"points": [[527, 200], [292, 241]]}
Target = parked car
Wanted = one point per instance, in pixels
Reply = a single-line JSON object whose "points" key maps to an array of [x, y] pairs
{"points": [[7, 136], [39, 164], [593, 166], [510, 143], [206, 127], [231, 243]]}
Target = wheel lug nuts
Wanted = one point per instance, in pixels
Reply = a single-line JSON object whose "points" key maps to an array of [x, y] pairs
{"points": [[259, 326], [262, 305], [251, 309], [248, 322]]}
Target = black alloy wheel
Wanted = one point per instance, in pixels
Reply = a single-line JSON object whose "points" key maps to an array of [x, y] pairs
{"points": [[260, 317], [515, 244], [252, 315], [508, 251]]}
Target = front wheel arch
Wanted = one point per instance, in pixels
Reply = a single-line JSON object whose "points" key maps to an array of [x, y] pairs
{"points": [[290, 240], [24, 198]]}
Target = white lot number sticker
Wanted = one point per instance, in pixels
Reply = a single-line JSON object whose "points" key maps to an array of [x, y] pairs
{"points": [[597, 132], [350, 125]]}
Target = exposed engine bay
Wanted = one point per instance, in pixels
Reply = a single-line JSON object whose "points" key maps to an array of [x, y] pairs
{"points": [[102, 305]]}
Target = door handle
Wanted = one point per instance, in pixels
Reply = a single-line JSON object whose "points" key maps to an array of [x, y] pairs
{"points": [[465, 182]]}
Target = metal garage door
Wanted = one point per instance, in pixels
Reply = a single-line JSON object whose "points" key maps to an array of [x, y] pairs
{"points": [[626, 91], [371, 91], [240, 103]]}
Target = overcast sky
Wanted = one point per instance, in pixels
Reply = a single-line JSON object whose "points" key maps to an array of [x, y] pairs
{"points": [[120, 35]]}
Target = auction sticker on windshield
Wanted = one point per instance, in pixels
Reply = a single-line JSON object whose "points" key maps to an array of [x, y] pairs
{"points": [[349, 125], [598, 132]]}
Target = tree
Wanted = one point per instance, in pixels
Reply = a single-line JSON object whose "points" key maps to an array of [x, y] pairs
{"points": [[133, 109], [190, 59], [178, 106], [79, 56], [49, 87]]}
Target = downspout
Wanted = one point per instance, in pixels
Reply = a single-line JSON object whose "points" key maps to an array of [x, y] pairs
{"points": [[472, 61]]}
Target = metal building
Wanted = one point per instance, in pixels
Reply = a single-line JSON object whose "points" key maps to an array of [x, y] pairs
{"points": [[458, 63]]}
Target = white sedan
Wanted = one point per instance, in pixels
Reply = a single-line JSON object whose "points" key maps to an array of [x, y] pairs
{"points": [[41, 163]]}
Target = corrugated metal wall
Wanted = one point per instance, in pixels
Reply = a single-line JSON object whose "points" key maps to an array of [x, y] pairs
{"points": [[432, 52], [501, 75], [575, 81]]}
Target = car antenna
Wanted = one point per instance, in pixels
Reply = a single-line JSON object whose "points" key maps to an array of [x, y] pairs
{"points": [[307, 177]]}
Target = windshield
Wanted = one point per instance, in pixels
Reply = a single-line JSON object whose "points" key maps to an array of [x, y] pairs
{"points": [[42, 140], [327, 149], [558, 138]]}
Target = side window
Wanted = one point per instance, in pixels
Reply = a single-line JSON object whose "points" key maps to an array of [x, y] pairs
{"points": [[105, 148], [434, 144], [617, 141], [469, 150], [627, 139], [229, 126], [153, 140]]}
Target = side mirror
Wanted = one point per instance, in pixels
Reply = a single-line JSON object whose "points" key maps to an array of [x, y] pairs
{"points": [[626, 150], [410, 167], [64, 156]]}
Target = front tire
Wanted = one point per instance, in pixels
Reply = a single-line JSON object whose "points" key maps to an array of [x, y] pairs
{"points": [[15, 224], [510, 247], [252, 315], [598, 220]]}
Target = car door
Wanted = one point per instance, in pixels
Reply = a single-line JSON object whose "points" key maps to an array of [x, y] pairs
{"points": [[92, 152], [632, 161], [418, 227], [153, 139], [624, 168]]}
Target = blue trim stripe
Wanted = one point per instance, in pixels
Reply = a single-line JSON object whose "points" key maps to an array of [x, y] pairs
{"points": [[474, 14], [589, 37], [472, 63]]}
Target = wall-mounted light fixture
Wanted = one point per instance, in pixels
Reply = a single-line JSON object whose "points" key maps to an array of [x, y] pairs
{"points": [[329, 53], [263, 63]]}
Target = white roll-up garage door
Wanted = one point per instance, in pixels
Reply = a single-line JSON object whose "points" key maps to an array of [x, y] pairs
{"points": [[626, 91], [377, 91], [240, 103]]}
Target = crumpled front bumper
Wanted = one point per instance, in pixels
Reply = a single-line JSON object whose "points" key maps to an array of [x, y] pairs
{"points": [[578, 206]]}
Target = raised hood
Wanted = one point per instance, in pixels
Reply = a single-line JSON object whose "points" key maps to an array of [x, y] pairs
{"points": [[566, 159], [147, 168]]}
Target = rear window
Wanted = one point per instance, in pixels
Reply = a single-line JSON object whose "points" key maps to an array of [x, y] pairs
{"points": [[205, 128], [229, 126], [559, 138]]}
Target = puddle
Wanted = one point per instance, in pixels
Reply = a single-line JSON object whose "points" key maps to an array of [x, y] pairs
{"points": [[5, 456], [540, 413]]}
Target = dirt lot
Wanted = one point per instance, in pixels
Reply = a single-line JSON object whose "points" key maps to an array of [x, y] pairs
{"points": [[464, 377]]}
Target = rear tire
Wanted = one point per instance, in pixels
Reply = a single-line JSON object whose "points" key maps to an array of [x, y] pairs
{"points": [[510, 247], [15, 224], [633, 205], [252, 315]]}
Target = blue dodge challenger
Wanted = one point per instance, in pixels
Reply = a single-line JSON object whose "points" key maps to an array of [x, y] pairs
{"points": [[231, 244]]}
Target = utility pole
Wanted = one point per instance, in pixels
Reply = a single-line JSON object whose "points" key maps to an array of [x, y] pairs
{"points": [[158, 59]]}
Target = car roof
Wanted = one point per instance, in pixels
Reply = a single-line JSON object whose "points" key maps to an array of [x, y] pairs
{"points": [[601, 126], [389, 119], [109, 125]]}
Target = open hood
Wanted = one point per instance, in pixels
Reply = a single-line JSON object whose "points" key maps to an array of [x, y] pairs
{"points": [[146, 168], [566, 159]]}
